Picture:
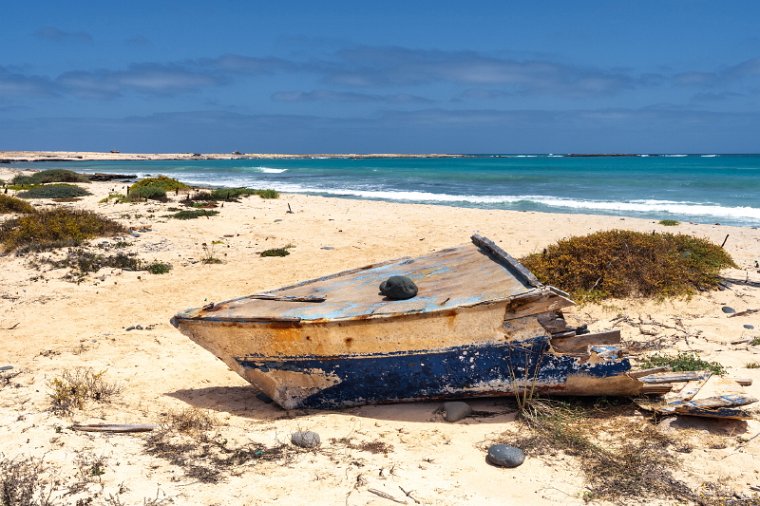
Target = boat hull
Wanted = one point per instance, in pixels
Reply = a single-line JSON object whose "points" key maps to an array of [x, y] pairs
{"points": [[494, 369]]}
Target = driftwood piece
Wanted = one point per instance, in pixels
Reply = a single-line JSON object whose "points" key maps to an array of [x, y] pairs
{"points": [[510, 262], [737, 281], [5, 367], [113, 427], [385, 495], [745, 312], [656, 389], [580, 344]]}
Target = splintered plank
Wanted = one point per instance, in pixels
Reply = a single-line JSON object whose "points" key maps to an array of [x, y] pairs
{"points": [[675, 377], [580, 344], [516, 268]]}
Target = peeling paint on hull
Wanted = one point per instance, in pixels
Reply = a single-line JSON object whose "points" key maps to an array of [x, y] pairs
{"points": [[462, 371]]}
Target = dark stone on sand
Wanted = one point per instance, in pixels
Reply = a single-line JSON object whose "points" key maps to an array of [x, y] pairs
{"points": [[305, 439], [728, 309], [456, 410], [398, 288], [749, 326], [505, 456]]}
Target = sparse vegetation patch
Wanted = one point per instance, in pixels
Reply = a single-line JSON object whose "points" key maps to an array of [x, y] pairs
{"points": [[669, 223], [54, 191], [620, 459], [55, 228], [622, 263], [683, 361], [10, 204]]}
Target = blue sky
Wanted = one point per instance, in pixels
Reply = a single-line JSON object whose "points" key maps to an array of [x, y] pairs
{"points": [[391, 76]]}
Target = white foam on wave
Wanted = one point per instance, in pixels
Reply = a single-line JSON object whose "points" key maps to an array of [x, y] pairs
{"points": [[270, 170], [639, 206], [675, 156], [709, 156]]}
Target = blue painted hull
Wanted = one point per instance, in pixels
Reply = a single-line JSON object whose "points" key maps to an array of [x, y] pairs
{"points": [[464, 371]]}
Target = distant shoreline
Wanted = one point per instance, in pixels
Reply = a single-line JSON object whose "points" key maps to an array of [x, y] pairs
{"points": [[83, 156]]}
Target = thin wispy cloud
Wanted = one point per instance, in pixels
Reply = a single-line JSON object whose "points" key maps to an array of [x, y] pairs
{"points": [[348, 96], [55, 34]]}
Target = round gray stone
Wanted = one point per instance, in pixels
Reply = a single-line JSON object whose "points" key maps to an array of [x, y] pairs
{"points": [[305, 439], [505, 456], [749, 326], [728, 309], [456, 410]]}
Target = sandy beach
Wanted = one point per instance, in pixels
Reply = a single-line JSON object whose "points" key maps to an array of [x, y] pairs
{"points": [[118, 322]]}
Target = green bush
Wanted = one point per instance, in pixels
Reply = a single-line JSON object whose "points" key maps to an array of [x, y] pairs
{"points": [[54, 191], [55, 228], [622, 263], [191, 215], [146, 193], [158, 268], [669, 223], [10, 204], [165, 183], [51, 176]]}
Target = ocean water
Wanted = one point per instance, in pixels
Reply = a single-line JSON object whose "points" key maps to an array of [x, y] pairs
{"points": [[700, 188]]}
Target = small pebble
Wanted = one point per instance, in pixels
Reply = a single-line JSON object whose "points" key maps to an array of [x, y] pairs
{"points": [[728, 309], [456, 410], [505, 456], [305, 439], [749, 326]]}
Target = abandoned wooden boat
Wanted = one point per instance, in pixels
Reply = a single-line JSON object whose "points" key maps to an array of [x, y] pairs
{"points": [[481, 325]]}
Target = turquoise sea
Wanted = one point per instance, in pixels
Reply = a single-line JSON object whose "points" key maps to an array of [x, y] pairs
{"points": [[700, 188]]}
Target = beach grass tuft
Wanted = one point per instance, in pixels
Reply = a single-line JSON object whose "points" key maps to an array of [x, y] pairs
{"points": [[54, 191], [55, 228], [683, 361], [51, 176], [669, 223], [623, 263], [158, 267], [10, 204]]}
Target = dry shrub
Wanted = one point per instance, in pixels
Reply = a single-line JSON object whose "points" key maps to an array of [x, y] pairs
{"points": [[622, 263], [55, 228], [72, 389], [189, 421], [10, 204], [22, 484]]}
